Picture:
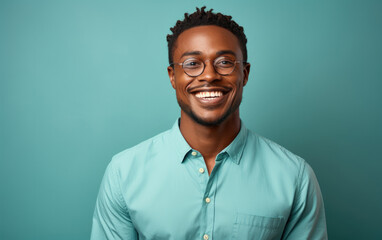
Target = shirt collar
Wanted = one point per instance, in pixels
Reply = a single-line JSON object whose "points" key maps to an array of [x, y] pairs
{"points": [[234, 149], [178, 141]]}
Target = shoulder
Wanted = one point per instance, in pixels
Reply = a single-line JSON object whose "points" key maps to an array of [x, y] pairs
{"points": [[272, 155], [141, 151], [273, 150], [279, 165]]}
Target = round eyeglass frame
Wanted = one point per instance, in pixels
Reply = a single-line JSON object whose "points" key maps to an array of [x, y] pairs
{"points": [[204, 67]]}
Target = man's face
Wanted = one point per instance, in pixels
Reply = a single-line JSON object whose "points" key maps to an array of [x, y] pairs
{"points": [[209, 98]]}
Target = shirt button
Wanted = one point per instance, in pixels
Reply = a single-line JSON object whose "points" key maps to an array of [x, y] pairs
{"points": [[201, 170], [194, 153], [208, 200], [205, 237]]}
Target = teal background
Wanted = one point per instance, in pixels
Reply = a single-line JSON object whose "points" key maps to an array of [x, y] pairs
{"points": [[82, 80]]}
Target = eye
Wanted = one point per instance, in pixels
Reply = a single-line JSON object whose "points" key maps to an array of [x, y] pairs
{"points": [[224, 63], [192, 63]]}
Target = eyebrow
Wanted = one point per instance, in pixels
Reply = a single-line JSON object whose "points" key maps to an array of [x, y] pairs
{"points": [[222, 52], [191, 53], [226, 52]]}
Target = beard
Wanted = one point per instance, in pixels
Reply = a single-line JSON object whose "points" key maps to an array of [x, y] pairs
{"points": [[187, 109]]}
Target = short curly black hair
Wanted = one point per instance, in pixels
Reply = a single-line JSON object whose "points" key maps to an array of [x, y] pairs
{"points": [[201, 17]]}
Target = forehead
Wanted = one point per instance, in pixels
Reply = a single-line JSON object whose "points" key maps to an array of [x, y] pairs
{"points": [[208, 40]]}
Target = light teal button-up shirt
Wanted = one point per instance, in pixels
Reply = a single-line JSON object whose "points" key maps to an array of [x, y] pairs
{"points": [[160, 189]]}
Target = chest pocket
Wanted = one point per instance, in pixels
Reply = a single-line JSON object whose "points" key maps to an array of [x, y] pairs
{"points": [[257, 227]]}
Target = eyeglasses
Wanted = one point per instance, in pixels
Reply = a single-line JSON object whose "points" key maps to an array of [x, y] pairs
{"points": [[194, 67]]}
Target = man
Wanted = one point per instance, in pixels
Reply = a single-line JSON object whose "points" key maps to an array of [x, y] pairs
{"points": [[208, 177]]}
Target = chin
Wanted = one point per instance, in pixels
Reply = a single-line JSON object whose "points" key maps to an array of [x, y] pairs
{"points": [[207, 121]]}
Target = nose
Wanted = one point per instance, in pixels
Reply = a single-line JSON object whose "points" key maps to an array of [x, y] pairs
{"points": [[209, 74]]}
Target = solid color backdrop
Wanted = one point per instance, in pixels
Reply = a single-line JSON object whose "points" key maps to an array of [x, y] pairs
{"points": [[82, 80]]}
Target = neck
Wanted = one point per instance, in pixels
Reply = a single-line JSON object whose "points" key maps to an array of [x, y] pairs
{"points": [[210, 140]]}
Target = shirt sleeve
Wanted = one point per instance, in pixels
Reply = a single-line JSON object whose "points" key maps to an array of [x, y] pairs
{"points": [[307, 219], [111, 219]]}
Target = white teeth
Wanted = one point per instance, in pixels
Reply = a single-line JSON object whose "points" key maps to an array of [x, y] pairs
{"points": [[209, 94]]}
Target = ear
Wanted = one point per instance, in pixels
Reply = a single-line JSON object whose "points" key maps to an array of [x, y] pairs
{"points": [[171, 75], [246, 69]]}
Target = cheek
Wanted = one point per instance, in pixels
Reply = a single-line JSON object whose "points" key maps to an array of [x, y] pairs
{"points": [[182, 82], [238, 90], [180, 88], [238, 83]]}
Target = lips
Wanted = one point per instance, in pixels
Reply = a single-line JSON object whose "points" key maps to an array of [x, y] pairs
{"points": [[209, 94], [210, 99]]}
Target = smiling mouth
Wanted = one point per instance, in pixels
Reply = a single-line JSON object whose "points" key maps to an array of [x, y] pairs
{"points": [[209, 95]]}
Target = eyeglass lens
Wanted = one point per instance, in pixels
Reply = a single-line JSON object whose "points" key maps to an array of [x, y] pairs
{"points": [[195, 67]]}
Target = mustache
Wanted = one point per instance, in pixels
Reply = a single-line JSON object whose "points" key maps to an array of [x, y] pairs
{"points": [[209, 85]]}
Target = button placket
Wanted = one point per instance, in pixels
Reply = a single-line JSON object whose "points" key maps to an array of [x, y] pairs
{"points": [[198, 169], [201, 171], [209, 206], [209, 196]]}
